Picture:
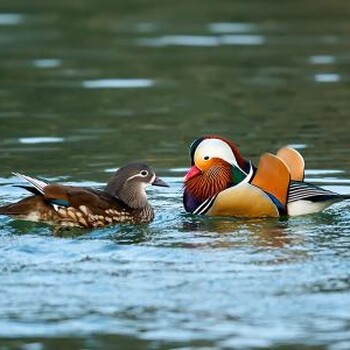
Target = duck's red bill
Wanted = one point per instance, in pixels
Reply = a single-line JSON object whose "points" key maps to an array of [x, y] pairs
{"points": [[193, 172]]}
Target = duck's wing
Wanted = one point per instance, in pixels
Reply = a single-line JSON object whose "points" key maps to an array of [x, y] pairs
{"points": [[299, 190], [306, 198], [294, 161], [39, 185], [95, 201], [273, 177], [71, 196], [41, 188]]}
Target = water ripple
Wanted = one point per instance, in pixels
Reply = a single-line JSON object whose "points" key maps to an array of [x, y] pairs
{"points": [[118, 83], [47, 63], [203, 41], [38, 140], [231, 27], [322, 59], [327, 77], [7, 19]]}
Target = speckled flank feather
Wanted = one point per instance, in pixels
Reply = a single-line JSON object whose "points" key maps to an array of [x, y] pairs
{"points": [[83, 217]]}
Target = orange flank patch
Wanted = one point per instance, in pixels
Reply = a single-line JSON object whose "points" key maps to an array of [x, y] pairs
{"points": [[294, 161], [243, 200], [273, 177]]}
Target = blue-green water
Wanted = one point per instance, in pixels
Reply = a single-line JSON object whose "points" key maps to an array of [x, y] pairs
{"points": [[89, 85]]}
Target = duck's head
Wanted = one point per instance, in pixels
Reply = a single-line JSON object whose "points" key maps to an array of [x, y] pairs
{"points": [[215, 165], [130, 181]]}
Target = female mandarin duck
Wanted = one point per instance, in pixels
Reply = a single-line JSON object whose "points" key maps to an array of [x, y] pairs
{"points": [[123, 200], [222, 183]]}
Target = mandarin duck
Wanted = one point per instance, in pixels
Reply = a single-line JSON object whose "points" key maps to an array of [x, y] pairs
{"points": [[221, 182], [123, 200]]}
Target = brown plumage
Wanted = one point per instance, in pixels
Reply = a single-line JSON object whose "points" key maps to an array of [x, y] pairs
{"points": [[122, 201]]}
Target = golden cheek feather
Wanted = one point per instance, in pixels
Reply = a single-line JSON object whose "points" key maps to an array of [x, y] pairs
{"points": [[204, 164]]}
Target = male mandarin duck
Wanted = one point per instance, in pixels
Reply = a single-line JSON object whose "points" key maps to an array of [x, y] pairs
{"points": [[123, 200], [222, 183]]}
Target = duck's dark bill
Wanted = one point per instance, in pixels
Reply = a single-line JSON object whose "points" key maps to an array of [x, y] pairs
{"points": [[158, 182]]}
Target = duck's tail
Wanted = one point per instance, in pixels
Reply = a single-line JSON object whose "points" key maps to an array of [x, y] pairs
{"points": [[24, 208]]}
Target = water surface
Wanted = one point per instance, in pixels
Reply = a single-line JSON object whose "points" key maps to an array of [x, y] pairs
{"points": [[88, 86]]}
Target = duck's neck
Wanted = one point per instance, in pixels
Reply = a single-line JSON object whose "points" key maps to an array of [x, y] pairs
{"points": [[208, 183], [134, 196]]}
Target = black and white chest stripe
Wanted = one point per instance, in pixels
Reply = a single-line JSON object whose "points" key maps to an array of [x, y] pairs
{"points": [[205, 206]]}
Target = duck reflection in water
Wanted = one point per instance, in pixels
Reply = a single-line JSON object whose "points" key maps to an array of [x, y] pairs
{"points": [[269, 232]]}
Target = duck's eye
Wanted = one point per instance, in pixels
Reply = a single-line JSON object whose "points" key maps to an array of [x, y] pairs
{"points": [[144, 172], [206, 158]]}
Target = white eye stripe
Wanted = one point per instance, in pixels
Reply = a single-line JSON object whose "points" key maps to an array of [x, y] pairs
{"points": [[214, 148], [141, 176], [133, 177]]}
